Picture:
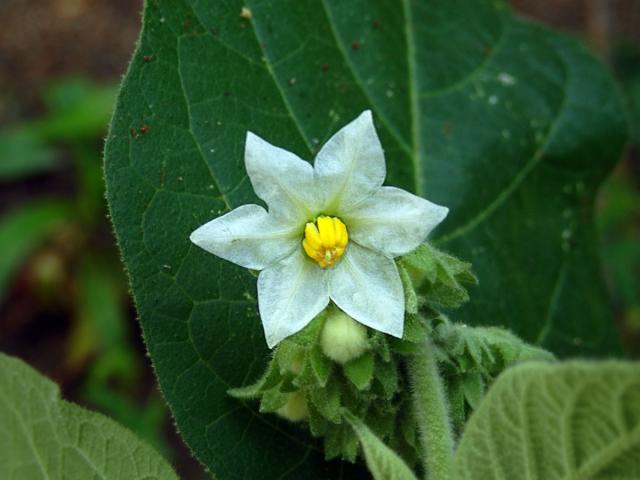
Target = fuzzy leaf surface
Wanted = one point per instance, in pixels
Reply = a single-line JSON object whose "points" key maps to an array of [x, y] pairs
{"points": [[577, 420], [45, 437]]}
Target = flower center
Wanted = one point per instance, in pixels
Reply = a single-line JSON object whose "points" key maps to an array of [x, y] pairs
{"points": [[325, 240]]}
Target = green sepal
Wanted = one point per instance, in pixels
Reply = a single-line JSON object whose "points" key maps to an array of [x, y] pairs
{"points": [[379, 343], [386, 374], [318, 424], [473, 388], [273, 399], [407, 426], [291, 357], [341, 442], [405, 437], [381, 419], [322, 366], [415, 329], [437, 277], [410, 297], [309, 335], [269, 379], [457, 408], [327, 401], [360, 370], [421, 264], [306, 378]]}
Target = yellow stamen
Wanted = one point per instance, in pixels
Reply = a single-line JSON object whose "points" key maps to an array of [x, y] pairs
{"points": [[325, 240]]}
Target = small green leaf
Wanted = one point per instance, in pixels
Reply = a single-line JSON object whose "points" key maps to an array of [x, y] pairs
{"points": [[46, 437], [577, 420], [360, 370], [383, 463]]}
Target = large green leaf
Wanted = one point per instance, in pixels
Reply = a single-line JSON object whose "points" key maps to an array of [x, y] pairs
{"points": [[510, 125], [44, 437], [579, 420]]}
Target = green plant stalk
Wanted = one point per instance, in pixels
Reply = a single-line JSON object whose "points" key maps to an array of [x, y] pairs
{"points": [[431, 411]]}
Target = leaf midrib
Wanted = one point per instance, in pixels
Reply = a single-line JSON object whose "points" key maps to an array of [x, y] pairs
{"points": [[414, 107]]}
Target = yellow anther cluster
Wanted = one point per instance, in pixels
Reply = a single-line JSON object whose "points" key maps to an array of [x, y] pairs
{"points": [[325, 240]]}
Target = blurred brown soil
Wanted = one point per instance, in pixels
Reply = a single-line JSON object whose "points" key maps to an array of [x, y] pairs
{"points": [[44, 39]]}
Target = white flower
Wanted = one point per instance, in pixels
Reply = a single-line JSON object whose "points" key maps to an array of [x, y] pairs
{"points": [[331, 232]]}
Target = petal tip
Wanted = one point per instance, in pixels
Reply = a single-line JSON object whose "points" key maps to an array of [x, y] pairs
{"points": [[365, 119], [251, 140], [196, 236], [443, 212]]}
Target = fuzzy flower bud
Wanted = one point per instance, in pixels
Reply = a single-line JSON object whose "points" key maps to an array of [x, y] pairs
{"points": [[295, 409], [342, 338]]}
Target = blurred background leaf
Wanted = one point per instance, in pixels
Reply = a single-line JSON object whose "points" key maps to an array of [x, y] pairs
{"points": [[24, 153], [23, 230], [77, 110]]}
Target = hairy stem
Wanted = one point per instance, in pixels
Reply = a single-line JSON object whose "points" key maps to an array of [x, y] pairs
{"points": [[431, 411]]}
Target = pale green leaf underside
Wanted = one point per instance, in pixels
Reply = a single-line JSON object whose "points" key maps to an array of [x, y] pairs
{"points": [[45, 437], [508, 124], [573, 421]]}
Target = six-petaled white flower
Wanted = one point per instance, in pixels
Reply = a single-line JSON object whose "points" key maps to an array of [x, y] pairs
{"points": [[331, 232]]}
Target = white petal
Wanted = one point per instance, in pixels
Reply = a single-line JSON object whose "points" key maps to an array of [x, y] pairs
{"points": [[350, 166], [290, 294], [393, 221], [283, 180], [366, 285], [247, 236]]}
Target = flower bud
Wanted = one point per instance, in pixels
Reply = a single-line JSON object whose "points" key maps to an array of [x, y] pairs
{"points": [[295, 409], [342, 338]]}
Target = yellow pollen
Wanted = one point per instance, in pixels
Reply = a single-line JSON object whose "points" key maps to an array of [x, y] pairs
{"points": [[325, 240]]}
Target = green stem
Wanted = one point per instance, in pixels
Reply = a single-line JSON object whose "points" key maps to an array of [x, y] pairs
{"points": [[431, 411]]}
